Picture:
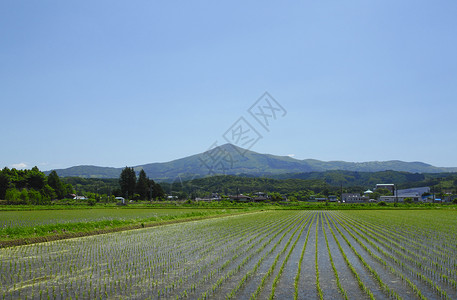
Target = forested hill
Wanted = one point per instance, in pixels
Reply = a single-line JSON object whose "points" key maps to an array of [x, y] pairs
{"points": [[316, 181], [231, 160]]}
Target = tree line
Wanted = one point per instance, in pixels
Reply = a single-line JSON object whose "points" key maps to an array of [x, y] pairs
{"points": [[31, 186], [34, 187], [141, 188]]}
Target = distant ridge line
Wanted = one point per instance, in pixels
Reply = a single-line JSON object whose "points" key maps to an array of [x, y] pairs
{"points": [[250, 163]]}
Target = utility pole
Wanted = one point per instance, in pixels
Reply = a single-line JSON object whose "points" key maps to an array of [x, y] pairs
{"points": [[341, 195], [396, 193]]}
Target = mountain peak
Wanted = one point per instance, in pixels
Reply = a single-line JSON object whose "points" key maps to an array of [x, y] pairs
{"points": [[234, 160]]}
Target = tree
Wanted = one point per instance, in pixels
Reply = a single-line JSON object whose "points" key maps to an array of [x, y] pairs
{"points": [[4, 184], [143, 186], [36, 179], [55, 183], [408, 200], [157, 191], [127, 181], [12, 195], [48, 193]]}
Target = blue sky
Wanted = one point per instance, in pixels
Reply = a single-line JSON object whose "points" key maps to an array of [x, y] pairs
{"points": [[116, 83]]}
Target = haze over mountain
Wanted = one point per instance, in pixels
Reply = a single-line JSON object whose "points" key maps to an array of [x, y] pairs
{"points": [[232, 160]]}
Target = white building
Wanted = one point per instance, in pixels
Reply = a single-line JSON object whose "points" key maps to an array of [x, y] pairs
{"points": [[417, 191], [354, 198], [401, 198]]}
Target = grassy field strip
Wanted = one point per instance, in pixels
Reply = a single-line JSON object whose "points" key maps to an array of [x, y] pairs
{"points": [[252, 271], [362, 286], [384, 286], [266, 232], [33, 218], [399, 261], [300, 262], [335, 271], [406, 242], [14, 236], [273, 265], [405, 255]]}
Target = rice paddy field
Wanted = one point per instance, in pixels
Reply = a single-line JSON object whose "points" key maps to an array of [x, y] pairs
{"points": [[261, 255], [29, 218]]}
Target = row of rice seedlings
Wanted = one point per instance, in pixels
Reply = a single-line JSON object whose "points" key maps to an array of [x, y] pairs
{"points": [[281, 269], [318, 285], [362, 286], [264, 232], [300, 262], [382, 284], [415, 260], [436, 260], [394, 271], [335, 271], [273, 265], [252, 271], [400, 261], [60, 267], [241, 239], [213, 263], [425, 259], [250, 255], [435, 240]]}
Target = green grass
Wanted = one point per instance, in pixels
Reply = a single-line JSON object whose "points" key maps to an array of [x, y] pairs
{"points": [[39, 223]]}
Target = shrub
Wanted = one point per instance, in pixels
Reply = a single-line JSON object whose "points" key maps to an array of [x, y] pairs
{"points": [[382, 203], [408, 200]]}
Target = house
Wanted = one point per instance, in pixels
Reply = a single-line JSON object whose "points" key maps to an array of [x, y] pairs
{"points": [[333, 198], [414, 197], [213, 197], [354, 198], [313, 198], [241, 198], [121, 199], [418, 191], [259, 197], [368, 193], [416, 194]]}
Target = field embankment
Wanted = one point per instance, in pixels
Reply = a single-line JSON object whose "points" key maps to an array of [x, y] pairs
{"points": [[22, 227]]}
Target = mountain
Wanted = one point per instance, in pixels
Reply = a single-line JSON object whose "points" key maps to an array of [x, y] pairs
{"points": [[232, 160]]}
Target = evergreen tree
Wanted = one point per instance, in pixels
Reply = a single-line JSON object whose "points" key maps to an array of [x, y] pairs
{"points": [[157, 191], [127, 181], [55, 183], [4, 184], [143, 186]]}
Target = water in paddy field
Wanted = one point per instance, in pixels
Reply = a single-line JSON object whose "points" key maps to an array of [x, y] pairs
{"points": [[257, 254]]}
